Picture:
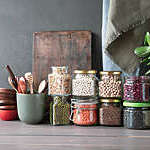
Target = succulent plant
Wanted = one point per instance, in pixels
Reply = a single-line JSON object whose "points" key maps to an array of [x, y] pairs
{"points": [[143, 52]]}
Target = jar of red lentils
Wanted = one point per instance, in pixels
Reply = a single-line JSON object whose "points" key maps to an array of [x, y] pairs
{"points": [[84, 112]]}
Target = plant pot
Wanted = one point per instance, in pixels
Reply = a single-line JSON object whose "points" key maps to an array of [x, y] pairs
{"points": [[31, 107]]}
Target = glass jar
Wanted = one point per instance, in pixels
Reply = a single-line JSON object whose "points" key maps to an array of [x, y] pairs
{"points": [[59, 81], [136, 115], [137, 89], [60, 110], [110, 85], [84, 83], [84, 112], [110, 112]]}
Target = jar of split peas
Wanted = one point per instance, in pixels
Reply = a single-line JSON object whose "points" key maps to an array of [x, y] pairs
{"points": [[84, 112]]}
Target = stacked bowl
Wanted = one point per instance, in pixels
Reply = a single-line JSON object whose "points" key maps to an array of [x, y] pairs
{"points": [[8, 105]]}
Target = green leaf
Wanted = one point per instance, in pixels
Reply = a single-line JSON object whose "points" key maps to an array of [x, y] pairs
{"points": [[142, 51], [148, 72], [148, 64], [147, 38], [145, 60]]}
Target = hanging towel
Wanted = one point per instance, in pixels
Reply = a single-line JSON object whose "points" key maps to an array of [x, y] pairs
{"points": [[128, 21]]}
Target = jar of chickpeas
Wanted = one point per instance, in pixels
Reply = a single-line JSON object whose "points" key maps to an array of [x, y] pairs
{"points": [[110, 85]]}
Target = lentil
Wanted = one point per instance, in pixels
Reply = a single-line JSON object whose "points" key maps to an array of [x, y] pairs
{"points": [[85, 113], [110, 112], [136, 115]]}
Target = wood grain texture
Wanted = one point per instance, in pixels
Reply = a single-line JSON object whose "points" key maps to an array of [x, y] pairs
{"points": [[58, 48], [15, 135]]}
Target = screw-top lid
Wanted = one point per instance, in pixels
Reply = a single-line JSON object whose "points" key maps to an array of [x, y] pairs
{"points": [[110, 100], [110, 72], [129, 104], [85, 71]]}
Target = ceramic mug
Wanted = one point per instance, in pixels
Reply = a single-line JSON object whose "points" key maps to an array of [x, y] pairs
{"points": [[31, 107]]}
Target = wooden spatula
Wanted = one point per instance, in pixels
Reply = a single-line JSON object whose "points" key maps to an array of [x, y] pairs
{"points": [[29, 78], [43, 86]]}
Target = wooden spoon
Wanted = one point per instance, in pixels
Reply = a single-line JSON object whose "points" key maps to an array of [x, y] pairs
{"points": [[29, 78], [22, 86], [12, 84], [43, 86]]}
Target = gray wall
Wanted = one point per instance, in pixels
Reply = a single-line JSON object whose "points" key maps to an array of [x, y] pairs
{"points": [[20, 18]]}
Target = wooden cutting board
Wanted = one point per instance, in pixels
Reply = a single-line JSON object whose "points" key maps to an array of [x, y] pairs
{"points": [[58, 48]]}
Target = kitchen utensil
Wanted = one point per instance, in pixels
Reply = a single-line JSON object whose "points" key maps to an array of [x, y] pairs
{"points": [[22, 86], [29, 78], [12, 84], [43, 86], [12, 76]]}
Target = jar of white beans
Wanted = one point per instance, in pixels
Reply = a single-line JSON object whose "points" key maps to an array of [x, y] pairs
{"points": [[84, 83], [110, 85]]}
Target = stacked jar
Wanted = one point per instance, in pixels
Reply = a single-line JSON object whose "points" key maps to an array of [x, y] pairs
{"points": [[60, 90], [110, 92], [137, 102], [84, 102]]}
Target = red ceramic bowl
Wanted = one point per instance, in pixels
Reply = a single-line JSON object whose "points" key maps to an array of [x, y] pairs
{"points": [[8, 115]]}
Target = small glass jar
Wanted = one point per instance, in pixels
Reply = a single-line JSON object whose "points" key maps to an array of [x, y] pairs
{"points": [[137, 89], [59, 81], [60, 110], [84, 112], [110, 112], [136, 115], [110, 85], [84, 83]]}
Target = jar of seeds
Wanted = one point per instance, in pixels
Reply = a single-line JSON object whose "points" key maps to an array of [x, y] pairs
{"points": [[84, 112], [84, 83], [137, 89], [110, 112], [59, 81], [60, 110], [110, 85], [136, 115]]}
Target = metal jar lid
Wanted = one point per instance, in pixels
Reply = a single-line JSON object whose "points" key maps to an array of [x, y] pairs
{"points": [[110, 72], [85, 71], [130, 104], [110, 100]]}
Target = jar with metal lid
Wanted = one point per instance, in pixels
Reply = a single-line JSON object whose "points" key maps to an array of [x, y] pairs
{"points": [[84, 83], [137, 89], [110, 112], [84, 112], [110, 85], [136, 115], [60, 110], [59, 81]]}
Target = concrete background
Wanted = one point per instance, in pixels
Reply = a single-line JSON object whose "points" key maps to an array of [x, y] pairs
{"points": [[20, 18]]}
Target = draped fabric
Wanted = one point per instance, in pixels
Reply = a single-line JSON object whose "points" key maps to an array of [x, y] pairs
{"points": [[124, 26]]}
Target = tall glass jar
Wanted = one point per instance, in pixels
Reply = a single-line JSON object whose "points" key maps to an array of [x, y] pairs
{"points": [[60, 110], [137, 89], [110, 85], [110, 112], [84, 83], [136, 115], [59, 81], [84, 112]]}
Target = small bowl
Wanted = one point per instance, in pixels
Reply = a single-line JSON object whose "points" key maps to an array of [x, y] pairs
{"points": [[8, 115]]}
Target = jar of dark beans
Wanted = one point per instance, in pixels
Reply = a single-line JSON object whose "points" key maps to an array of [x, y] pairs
{"points": [[137, 89], [84, 83], [84, 112], [60, 110], [110, 112], [110, 85], [136, 115]]}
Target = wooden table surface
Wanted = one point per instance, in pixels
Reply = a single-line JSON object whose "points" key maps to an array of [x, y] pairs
{"points": [[15, 135]]}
